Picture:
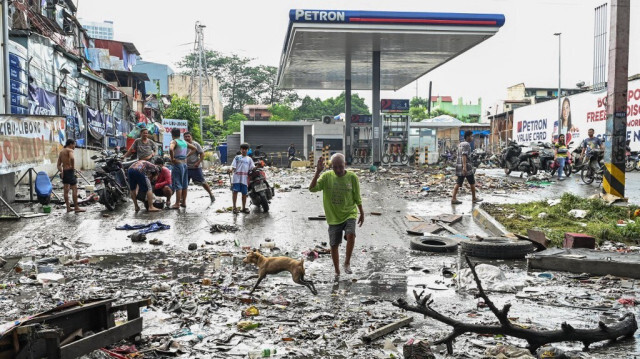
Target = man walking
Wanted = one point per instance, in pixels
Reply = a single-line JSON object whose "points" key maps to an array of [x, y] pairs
{"points": [[66, 166], [179, 151], [341, 200], [241, 166], [144, 148], [194, 166], [464, 169]]}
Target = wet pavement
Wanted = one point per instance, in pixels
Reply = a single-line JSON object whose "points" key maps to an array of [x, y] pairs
{"points": [[292, 319]]}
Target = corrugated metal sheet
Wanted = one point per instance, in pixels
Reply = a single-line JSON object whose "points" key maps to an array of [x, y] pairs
{"points": [[274, 139], [233, 146]]}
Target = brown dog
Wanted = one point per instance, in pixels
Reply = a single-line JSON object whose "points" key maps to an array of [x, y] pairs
{"points": [[273, 265]]}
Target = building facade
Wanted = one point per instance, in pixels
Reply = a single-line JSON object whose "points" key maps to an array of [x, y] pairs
{"points": [[535, 95], [158, 74], [99, 30], [183, 86], [459, 109]]}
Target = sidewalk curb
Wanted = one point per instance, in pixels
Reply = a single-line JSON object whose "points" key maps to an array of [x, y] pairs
{"points": [[489, 223]]}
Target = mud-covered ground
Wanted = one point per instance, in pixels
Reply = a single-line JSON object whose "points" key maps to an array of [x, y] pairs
{"points": [[198, 319]]}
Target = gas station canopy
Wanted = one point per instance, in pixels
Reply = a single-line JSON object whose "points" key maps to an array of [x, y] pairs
{"points": [[319, 43]]}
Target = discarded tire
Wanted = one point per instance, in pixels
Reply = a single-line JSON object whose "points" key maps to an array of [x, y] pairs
{"points": [[497, 248], [433, 244]]}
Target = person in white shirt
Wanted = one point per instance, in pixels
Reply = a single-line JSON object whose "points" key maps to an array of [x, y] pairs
{"points": [[241, 166]]}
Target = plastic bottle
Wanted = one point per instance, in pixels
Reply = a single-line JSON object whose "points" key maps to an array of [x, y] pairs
{"points": [[267, 352]]}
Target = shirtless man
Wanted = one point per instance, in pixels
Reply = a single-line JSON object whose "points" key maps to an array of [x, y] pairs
{"points": [[66, 166]]}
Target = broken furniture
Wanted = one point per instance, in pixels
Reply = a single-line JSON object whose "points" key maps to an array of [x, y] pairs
{"points": [[71, 330]]}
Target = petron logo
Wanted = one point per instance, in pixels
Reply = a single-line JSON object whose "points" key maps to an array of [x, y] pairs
{"points": [[320, 15]]}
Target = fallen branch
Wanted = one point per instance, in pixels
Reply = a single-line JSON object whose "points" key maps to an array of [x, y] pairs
{"points": [[626, 327]]}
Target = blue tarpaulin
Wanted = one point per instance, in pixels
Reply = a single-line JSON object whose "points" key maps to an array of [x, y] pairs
{"points": [[478, 132]]}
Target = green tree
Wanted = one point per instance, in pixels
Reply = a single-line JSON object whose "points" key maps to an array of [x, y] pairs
{"points": [[316, 108], [281, 112], [183, 109], [232, 124], [418, 113]]}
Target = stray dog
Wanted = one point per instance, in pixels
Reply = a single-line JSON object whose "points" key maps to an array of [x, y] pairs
{"points": [[273, 265]]}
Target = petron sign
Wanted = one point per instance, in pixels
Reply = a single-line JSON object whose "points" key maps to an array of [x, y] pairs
{"points": [[394, 17], [394, 106]]}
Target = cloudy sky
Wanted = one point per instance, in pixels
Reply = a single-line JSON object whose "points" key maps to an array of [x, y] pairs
{"points": [[524, 50]]}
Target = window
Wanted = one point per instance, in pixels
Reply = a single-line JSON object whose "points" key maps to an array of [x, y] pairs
{"points": [[205, 110]]}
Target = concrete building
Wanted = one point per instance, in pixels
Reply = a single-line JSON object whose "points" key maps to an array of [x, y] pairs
{"points": [[459, 109], [158, 73], [535, 95], [99, 30], [256, 112], [211, 98]]}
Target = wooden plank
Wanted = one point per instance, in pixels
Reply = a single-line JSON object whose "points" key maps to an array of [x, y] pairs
{"points": [[412, 218], [56, 312], [125, 306], [449, 228], [369, 337], [426, 228], [101, 339], [538, 238], [448, 218]]}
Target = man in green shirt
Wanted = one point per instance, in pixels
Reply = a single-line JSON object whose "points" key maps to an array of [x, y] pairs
{"points": [[341, 200]]}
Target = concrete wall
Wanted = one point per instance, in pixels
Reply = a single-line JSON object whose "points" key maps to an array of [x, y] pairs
{"points": [[155, 71], [180, 84]]}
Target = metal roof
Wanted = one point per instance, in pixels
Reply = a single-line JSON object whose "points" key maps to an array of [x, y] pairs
{"points": [[410, 44]]}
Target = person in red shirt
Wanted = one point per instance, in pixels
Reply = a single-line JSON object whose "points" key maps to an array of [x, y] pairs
{"points": [[162, 186]]}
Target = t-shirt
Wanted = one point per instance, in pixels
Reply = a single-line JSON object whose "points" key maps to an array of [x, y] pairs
{"points": [[464, 149], [340, 196], [144, 150], [560, 147], [180, 150], [242, 166], [195, 156], [164, 178], [146, 167], [591, 143]]}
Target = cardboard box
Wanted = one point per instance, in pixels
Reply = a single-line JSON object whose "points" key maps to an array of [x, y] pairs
{"points": [[578, 240]]}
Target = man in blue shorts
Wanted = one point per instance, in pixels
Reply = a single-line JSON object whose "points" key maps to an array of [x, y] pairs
{"points": [[194, 166], [241, 166]]}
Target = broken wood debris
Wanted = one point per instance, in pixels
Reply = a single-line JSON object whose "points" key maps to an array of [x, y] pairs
{"points": [[369, 337], [626, 327]]}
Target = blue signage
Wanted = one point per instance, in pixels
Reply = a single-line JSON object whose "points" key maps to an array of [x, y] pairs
{"points": [[361, 119], [395, 17], [394, 106]]}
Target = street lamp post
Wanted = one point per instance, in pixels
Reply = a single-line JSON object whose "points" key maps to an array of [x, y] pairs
{"points": [[559, 35]]}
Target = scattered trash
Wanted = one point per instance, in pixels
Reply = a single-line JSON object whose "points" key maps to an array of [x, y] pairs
{"points": [[507, 351], [250, 312], [145, 228], [492, 277], [417, 349], [155, 242], [46, 278], [245, 326], [219, 228], [138, 237], [192, 247], [578, 213]]}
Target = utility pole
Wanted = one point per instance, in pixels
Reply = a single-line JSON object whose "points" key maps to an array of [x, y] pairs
{"points": [[5, 106], [200, 44], [617, 85]]}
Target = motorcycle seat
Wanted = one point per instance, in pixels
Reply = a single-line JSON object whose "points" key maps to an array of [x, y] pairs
{"points": [[43, 185], [128, 164]]}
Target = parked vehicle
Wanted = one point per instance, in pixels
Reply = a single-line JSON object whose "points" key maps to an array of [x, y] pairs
{"points": [[512, 159], [43, 188], [633, 161], [553, 165], [547, 154], [259, 155], [448, 157], [478, 157], [260, 191], [576, 158], [110, 179], [593, 169]]}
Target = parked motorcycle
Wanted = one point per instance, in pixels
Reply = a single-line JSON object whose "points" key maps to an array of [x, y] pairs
{"points": [[576, 157], [110, 179], [260, 191], [632, 162], [259, 155], [593, 169], [512, 159], [446, 158], [478, 157], [553, 165], [547, 154]]}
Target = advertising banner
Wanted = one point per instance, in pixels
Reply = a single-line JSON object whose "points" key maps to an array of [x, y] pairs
{"points": [[95, 121], [26, 142], [394, 106], [42, 102], [75, 122], [580, 112], [168, 125], [108, 120]]}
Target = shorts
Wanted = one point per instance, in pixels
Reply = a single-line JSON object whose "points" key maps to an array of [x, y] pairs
{"points": [[239, 187], [335, 231], [69, 177], [470, 178], [196, 175], [158, 192], [139, 180], [179, 176]]}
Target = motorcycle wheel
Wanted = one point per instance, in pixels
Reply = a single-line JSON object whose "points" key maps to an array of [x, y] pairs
{"points": [[264, 203], [533, 169], [385, 159], [109, 199], [567, 170], [552, 172], [629, 166], [507, 171], [637, 165], [404, 159], [587, 175]]}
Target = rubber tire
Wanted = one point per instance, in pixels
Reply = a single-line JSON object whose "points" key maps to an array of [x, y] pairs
{"points": [[404, 159], [264, 203], [637, 166], [567, 170], [497, 248], [433, 244], [507, 171], [583, 176], [109, 202], [533, 171], [385, 159], [629, 166]]}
